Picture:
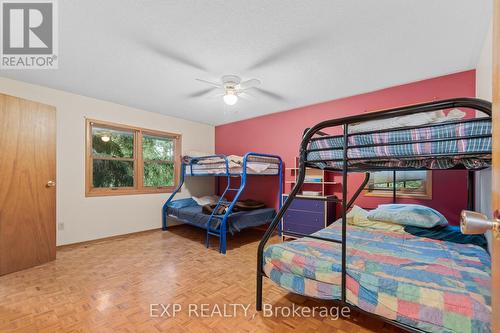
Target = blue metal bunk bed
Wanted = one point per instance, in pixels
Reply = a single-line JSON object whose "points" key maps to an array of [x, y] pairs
{"points": [[218, 225], [454, 145]]}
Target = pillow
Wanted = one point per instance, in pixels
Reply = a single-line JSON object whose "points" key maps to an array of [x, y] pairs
{"points": [[401, 121], [355, 210], [417, 119], [406, 214], [206, 200], [181, 203], [455, 114], [378, 225], [195, 153], [358, 217], [448, 233]]}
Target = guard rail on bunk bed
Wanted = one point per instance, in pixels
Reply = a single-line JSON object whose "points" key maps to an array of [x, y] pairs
{"points": [[221, 229], [345, 154]]}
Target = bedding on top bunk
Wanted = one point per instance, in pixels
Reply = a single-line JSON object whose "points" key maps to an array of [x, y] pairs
{"points": [[432, 285], [216, 165], [389, 152]]}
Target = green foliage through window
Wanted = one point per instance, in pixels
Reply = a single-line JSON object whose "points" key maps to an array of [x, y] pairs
{"points": [[112, 143], [110, 173], [157, 148], [158, 174], [113, 153], [158, 156], [114, 162]]}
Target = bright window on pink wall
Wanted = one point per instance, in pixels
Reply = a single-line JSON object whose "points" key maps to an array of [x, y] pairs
{"points": [[409, 184]]}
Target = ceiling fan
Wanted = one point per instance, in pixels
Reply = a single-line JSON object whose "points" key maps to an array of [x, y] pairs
{"points": [[231, 87]]}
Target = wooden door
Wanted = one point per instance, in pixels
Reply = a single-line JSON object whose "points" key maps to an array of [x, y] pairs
{"points": [[27, 199], [495, 288]]}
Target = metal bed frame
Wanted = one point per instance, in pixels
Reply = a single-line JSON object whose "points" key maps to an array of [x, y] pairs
{"points": [[471, 103], [221, 230]]}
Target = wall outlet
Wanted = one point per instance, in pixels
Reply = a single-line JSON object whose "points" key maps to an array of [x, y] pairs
{"points": [[60, 226]]}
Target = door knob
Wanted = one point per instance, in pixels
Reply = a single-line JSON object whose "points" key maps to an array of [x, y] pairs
{"points": [[51, 183], [473, 223]]}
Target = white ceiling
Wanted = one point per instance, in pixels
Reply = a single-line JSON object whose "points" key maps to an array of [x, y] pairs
{"points": [[147, 54]]}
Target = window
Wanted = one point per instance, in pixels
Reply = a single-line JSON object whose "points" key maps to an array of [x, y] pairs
{"points": [[128, 160], [409, 184]]}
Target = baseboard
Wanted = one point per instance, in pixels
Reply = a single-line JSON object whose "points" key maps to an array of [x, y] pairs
{"points": [[98, 240]]}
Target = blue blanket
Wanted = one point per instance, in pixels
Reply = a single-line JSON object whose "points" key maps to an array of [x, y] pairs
{"points": [[448, 233], [236, 221]]}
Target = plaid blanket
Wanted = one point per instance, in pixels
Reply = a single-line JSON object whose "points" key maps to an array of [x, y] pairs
{"points": [[432, 285], [389, 152], [217, 165]]}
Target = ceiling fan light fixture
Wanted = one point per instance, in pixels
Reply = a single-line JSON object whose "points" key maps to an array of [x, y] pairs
{"points": [[230, 98], [231, 86]]}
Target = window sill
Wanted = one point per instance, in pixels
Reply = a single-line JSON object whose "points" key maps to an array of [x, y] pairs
{"points": [[117, 192], [388, 194]]}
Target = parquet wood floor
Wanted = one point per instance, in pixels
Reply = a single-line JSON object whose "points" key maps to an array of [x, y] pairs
{"points": [[108, 286]]}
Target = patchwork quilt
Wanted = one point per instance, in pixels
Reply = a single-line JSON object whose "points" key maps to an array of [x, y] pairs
{"points": [[432, 285], [391, 145]]}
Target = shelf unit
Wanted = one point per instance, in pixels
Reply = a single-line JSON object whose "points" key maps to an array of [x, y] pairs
{"points": [[325, 181], [308, 216]]}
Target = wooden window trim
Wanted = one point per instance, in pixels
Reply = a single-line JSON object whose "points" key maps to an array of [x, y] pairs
{"points": [[400, 194], [138, 187]]}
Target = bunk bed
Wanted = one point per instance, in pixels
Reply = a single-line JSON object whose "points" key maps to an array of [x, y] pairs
{"points": [[231, 167], [413, 283]]}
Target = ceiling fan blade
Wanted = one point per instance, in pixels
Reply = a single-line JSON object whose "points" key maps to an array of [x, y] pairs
{"points": [[165, 52], [271, 94], [215, 84], [245, 95], [216, 96], [201, 92], [252, 83], [286, 51]]}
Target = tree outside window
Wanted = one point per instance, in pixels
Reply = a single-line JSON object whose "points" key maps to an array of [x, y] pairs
{"points": [[128, 160]]}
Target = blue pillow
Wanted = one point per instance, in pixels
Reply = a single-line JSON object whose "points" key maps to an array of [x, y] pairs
{"points": [[450, 234], [406, 214], [181, 203]]}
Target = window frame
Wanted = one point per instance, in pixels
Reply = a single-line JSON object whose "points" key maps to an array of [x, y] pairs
{"points": [[427, 195], [138, 187]]}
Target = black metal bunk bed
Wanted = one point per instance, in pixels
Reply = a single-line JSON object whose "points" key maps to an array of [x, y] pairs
{"points": [[344, 155]]}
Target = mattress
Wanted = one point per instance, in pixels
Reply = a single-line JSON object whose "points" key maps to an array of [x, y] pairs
{"points": [[469, 142], [220, 169], [256, 165], [237, 221], [432, 285]]}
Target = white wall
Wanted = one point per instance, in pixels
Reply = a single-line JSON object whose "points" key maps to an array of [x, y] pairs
{"points": [[484, 68], [98, 217], [484, 90]]}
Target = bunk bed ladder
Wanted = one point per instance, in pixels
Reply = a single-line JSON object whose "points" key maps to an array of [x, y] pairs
{"points": [[221, 230]]}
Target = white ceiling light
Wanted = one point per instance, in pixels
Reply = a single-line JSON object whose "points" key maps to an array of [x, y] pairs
{"points": [[230, 98], [106, 137], [232, 86]]}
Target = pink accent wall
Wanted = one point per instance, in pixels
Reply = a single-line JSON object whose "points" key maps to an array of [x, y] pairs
{"points": [[280, 134]]}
